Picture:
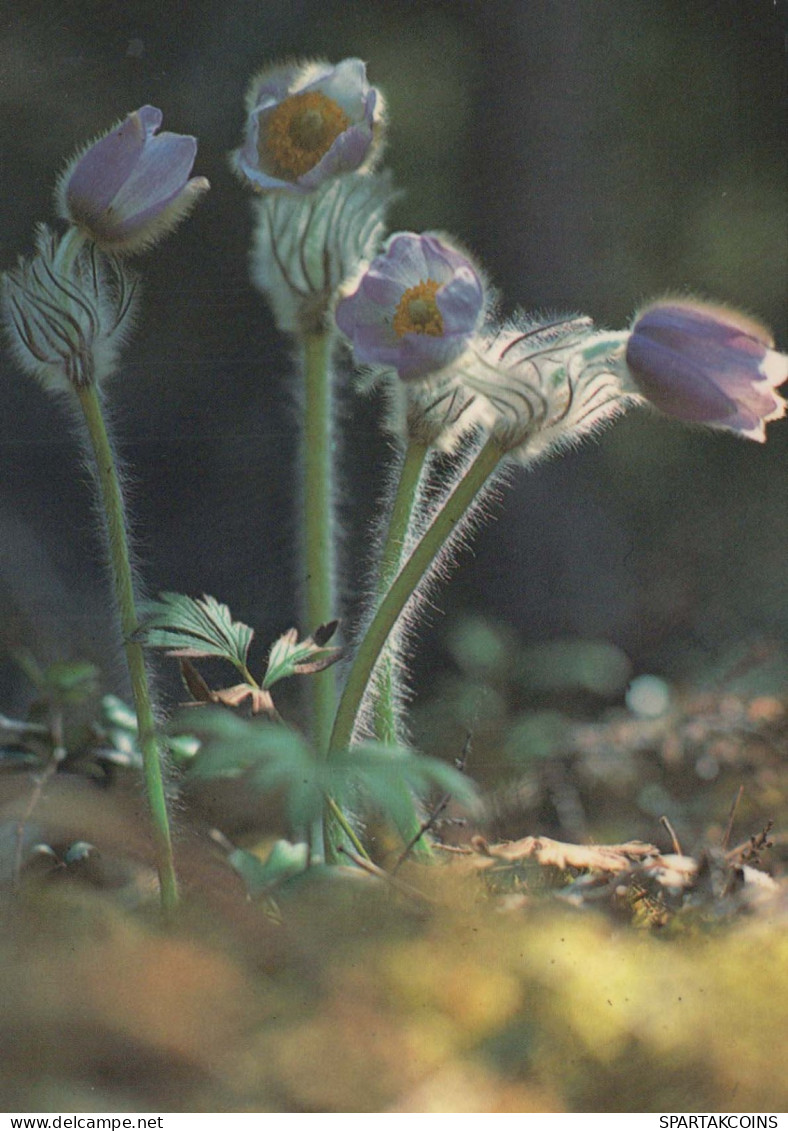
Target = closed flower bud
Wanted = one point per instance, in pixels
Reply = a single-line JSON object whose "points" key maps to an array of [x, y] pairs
{"points": [[305, 247], [67, 314], [547, 383], [707, 365], [308, 123], [132, 186]]}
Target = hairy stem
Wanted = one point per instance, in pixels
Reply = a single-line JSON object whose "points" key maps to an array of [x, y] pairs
{"points": [[386, 703], [319, 539], [115, 522], [403, 587]]}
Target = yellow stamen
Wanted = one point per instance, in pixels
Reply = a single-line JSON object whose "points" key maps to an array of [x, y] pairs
{"points": [[301, 130], [417, 312]]}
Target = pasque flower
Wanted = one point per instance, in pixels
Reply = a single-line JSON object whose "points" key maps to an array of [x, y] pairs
{"points": [[415, 308], [132, 186], [307, 123], [707, 365]]}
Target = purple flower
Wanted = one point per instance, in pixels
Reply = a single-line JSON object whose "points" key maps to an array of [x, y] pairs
{"points": [[416, 307], [307, 123], [707, 365], [131, 187]]}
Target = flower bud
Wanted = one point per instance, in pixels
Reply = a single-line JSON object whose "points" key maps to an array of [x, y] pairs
{"points": [[707, 365], [131, 187], [305, 247], [308, 123], [547, 383], [67, 312]]}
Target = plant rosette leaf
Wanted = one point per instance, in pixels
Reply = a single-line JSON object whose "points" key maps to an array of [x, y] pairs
{"points": [[189, 626]]}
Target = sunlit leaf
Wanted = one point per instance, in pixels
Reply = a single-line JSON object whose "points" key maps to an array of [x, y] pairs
{"points": [[189, 626], [117, 731], [291, 656]]}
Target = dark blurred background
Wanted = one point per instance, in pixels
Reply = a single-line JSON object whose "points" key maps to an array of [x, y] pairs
{"points": [[592, 153]]}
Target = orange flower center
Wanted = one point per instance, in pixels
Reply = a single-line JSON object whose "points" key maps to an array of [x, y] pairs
{"points": [[301, 130], [417, 311]]}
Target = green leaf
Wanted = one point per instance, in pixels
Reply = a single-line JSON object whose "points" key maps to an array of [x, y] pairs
{"points": [[188, 626], [291, 656], [72, 682], [278, 759], [231, 745], [284, 861], [117, 728], [394, 779]]}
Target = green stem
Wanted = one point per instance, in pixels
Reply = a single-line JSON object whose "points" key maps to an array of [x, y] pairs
{"points": [[115, 518], [319, 548], [402, 511], [386, 729], [346, 827], [403, 587]]}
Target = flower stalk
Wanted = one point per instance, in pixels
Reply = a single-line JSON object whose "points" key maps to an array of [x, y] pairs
{"points": [[404, 585], [115, 522], [319, 575], [318, 491], [402, 513]]}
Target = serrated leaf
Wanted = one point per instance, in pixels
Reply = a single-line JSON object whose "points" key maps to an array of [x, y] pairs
{"points": [[277, 759], [194, 626], [291, 656], [375, 761], [395, 778]]}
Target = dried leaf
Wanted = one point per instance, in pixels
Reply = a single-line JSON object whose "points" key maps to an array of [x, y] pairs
{"points": [[195, 684], [555, 853], [289, 656]]}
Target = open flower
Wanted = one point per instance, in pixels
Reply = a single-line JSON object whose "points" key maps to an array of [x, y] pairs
{"points": [[131, 186], [416, 307], [307, 123], [707, 365]]}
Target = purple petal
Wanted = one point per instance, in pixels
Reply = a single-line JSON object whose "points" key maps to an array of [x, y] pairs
{"points": [[367, 316], [705, 364], [346, 84], [99, 174], [347, 153], [272, 87], [674, 383], [461, 302], [158, 177]]}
